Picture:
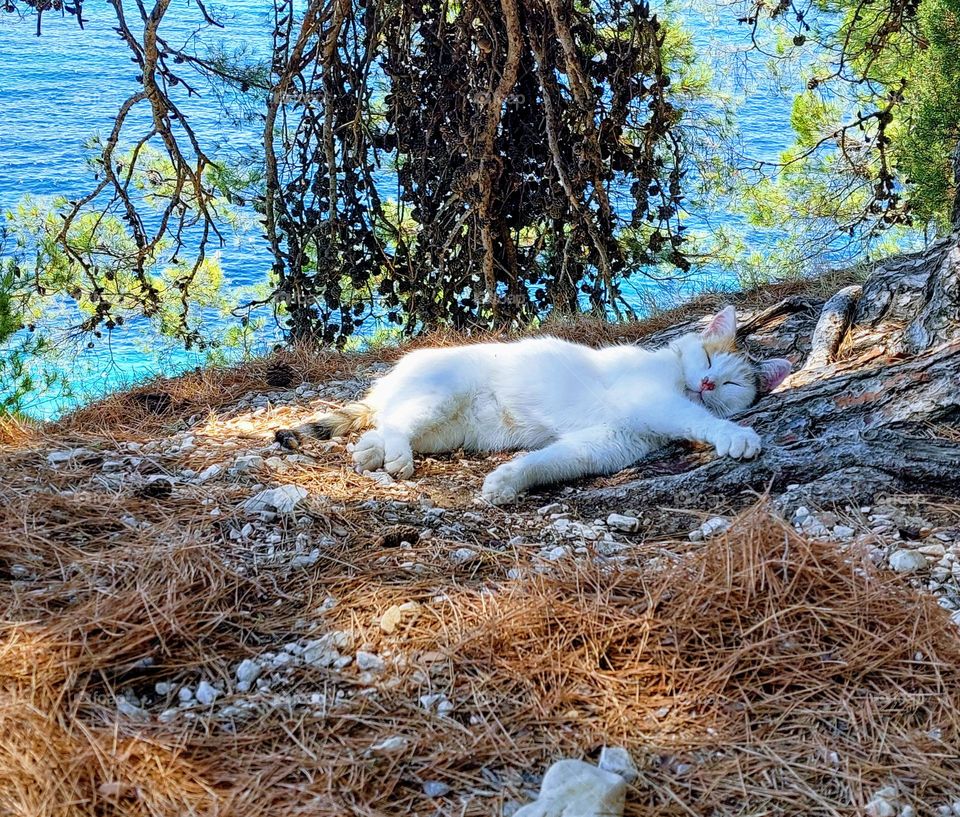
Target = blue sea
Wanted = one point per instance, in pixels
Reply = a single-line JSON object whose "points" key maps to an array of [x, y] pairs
{"points": [[59, 89]]}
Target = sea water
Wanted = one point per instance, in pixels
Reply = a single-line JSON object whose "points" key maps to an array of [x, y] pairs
{"points": [[59, 89]]}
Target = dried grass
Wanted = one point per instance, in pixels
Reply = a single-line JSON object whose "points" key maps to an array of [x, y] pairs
{"points": [[761, 674]]}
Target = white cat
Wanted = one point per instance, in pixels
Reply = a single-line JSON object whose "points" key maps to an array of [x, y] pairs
{"points": [[577, 411]]}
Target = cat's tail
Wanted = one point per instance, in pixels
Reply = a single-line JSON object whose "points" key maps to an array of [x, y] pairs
{"points": [[351, 417]]}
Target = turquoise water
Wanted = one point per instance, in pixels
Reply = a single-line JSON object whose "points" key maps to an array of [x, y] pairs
{"points": [[57, 90]]}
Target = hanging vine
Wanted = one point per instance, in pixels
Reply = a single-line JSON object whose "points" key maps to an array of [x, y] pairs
{"points": [[512, 127]]}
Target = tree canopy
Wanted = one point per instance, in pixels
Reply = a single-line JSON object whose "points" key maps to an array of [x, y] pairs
{"points": [[473, 164]]}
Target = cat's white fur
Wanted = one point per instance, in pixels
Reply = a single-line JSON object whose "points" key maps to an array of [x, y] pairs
{"points": [[575, 410]]}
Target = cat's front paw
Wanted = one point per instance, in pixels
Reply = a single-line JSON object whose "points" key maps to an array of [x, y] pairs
{"points": [[367, 452], [502, 486], [397, 457], [741, 443]]}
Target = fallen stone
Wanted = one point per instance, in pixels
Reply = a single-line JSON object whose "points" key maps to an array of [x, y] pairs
{"points": [[462, 556], [370, 661], [573, 788], [390, 745], [616, 759], [69, 455], [206, 693], [282, 500], [209, 473], [880, 807], [619, 521], [247, 672], [306, 559], [907, 561], [434, 788]]}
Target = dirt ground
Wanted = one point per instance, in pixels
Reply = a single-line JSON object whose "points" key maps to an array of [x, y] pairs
{"points": [[176, 642]]}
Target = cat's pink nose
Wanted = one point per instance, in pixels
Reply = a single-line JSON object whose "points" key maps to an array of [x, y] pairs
{"points": [[707, 385]]}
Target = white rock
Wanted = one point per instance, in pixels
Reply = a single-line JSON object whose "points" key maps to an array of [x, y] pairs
{"points": [[324, 651], [934, 551], [880, 807], [616, 759], [573, 788], [714, 527], [209, 472], [185, 695], [390, 745], [282, 500], [131, 710], [380, 477], [370, 661], [843, 532], [907, 561], [619, 521], [800, 514], [434, 788], [68, 455], [245, 462], [908, 811], [247, 672], [163, 687], [956, 807], [168, 715], [462, 556], [206, 693], [438, 701], [306, 559]]}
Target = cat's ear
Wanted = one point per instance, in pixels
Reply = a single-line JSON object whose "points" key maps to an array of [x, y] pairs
{"points": [[722, 327], [773, 372]]}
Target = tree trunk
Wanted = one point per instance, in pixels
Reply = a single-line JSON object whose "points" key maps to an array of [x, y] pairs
{"points": [[872, 407]]}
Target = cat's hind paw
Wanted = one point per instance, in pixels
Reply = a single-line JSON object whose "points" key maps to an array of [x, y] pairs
{"points": [[742, 443], [368, 452], [502, 486]]}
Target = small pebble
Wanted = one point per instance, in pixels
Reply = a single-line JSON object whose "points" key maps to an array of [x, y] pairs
{"points": [[206, 693], [369, 661], [616, 759], [390, 745], [434, 788], [628, 524], [907, 561]]}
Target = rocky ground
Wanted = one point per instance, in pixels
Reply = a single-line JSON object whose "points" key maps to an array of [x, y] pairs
{"points": [[198, 621]]}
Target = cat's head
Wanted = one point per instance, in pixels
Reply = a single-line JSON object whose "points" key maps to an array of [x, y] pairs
{"points": [[715, 374]]}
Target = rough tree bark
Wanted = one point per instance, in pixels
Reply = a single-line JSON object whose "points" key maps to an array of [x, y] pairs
{"points": [[873, 405]]}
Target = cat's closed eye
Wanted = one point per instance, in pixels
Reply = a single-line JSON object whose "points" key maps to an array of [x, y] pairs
{"points": [[709, 361], [732, 383]]}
